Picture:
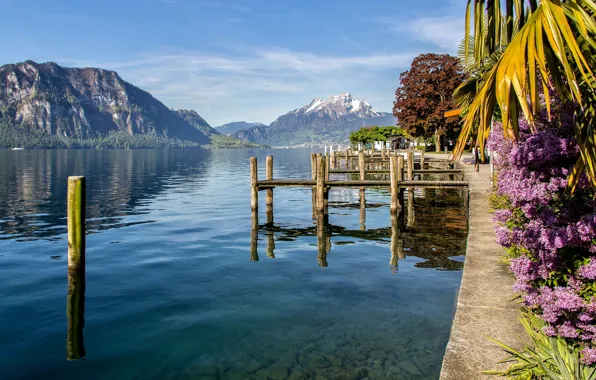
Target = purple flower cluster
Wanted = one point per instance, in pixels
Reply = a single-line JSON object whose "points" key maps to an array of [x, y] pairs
{"points": [[550, 232]]}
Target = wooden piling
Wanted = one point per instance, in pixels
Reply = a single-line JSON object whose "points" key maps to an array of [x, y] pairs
{"points": [[422, 160], [320, 200], [269, 175], [362, 174], [393, 180], [400, 178], [254, 189], [410, 163], [313, 169], [75, 303], [347, 159], [76, 222], [327, 163]]}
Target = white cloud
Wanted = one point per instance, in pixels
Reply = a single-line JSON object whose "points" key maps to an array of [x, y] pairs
{"points": [[260, 85], [444, 32]]}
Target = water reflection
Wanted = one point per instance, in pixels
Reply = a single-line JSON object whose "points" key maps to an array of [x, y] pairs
{"points": [[432, 226], [75, 312], [120, 183]]}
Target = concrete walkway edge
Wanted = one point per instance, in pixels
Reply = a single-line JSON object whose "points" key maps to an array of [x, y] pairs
{"points": [[484, 305]]}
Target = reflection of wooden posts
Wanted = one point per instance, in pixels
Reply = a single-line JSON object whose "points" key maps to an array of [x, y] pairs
{"points": [[322, 240], [75, 303], [270, 244], [410, 166], [410, 207], [75, 312], [393, 181], [269, 214], [254, 189], [320, 199], [269, 175], [254, 235], [393, 262]]}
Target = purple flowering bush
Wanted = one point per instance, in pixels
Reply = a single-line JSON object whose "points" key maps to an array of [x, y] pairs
{"points": [[549, 232]]}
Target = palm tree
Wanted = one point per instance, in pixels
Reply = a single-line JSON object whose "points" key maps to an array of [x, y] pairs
{"points": [[515, 52]]}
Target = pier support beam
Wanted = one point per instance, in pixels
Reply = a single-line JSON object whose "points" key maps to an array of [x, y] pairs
{"points": [[320, 200], [362, 174], [75, 302], [269, 175], [410, 163], [254, 189], [393, 180], [313, 170], [400, 177]]}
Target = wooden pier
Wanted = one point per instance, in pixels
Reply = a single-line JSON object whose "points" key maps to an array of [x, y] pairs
{"points": [[398, 170]]}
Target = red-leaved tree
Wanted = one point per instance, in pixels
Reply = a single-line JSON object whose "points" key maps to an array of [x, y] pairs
{"points": [[425, 93]]}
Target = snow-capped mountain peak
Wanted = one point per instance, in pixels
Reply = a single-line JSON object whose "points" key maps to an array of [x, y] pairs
{"points": [[342, 105]]}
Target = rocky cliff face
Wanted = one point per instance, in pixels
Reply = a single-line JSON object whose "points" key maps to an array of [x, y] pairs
{"points": [[194, 119], [84, 103], [329, 120]]}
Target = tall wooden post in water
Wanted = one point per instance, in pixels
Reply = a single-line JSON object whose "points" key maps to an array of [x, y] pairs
{"points": [[269, 192], [269, 175], [254, 189], [313, 171], [75, 302], [362, 174], [410, 165], [320, 200], [400, 177], [393, 180]]}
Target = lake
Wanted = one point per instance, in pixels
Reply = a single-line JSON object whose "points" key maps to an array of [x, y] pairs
{"points": [[175, 288]]}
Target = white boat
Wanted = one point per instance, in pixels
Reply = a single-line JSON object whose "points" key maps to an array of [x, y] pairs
{"points": [[17, 148]]}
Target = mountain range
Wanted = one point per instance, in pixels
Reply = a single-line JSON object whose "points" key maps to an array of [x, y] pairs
{"points": [[237, 126], [321, 120], [46, 105]]}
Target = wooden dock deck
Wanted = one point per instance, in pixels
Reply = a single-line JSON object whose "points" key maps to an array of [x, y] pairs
{"points": [[401, 171], [273, 183]]}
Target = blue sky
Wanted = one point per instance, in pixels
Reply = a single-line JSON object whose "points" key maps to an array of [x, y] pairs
{"points": [[234, 60]]}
